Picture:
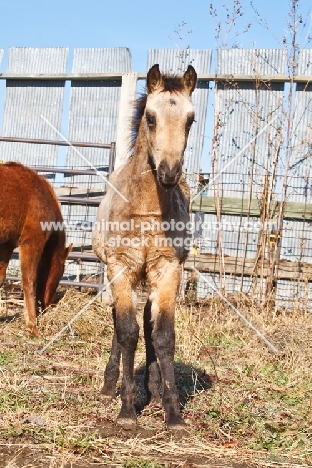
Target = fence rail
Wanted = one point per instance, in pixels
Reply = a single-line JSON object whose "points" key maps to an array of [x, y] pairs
{"points": [[230, 77]]}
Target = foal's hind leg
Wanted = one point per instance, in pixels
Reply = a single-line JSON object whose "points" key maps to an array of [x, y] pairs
{"points": [[164, 281], [111, 372], [152, 380]]}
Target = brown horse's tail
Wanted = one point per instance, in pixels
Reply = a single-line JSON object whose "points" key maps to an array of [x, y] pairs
{"points": [[51, 268]]}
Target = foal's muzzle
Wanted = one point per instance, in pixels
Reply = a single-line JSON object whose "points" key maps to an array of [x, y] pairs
{"points": [[169, 177]]}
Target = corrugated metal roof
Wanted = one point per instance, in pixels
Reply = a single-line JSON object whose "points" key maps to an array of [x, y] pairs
{"points": [[177, 61], [26, 101]]}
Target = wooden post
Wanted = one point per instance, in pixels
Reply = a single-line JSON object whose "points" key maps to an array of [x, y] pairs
{"points": [[125, 112]]}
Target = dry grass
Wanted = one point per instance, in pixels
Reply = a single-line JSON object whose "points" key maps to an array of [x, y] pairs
{"points": [[244, 406]]}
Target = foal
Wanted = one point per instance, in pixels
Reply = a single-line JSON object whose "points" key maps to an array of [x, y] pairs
{"points": [[146, 238], [26, 200]]}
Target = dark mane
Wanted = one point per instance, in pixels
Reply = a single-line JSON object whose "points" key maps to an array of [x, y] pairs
{"points": [[139, 107], [172, 83]]}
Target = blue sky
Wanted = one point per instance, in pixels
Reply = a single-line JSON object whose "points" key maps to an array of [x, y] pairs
{"points": [[137, 24]]}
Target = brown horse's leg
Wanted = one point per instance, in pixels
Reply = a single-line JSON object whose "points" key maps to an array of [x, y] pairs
{"points": [[127, 332], [152, 380], [5, 255], [29, 258], [111, 372], [165, 280]]}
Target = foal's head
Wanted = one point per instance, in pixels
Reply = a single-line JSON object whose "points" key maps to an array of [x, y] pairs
{"points": [[168, 116]]}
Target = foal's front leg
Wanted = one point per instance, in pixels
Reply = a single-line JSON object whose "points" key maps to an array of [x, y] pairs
{"points": [[152, 379], [111, 372], [127, 334], [165, 280], [30, 257]]}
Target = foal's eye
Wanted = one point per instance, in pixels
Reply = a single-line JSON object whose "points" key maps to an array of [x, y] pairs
{"points": [[151, 120], [189, 122]]}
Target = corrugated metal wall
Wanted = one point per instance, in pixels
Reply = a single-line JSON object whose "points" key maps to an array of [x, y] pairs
{"points": [[244, 148], [94, 107], [27, 101]]}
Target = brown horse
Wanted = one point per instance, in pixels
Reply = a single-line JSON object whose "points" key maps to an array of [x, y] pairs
{"points": [[26, 201], [147, 238]]}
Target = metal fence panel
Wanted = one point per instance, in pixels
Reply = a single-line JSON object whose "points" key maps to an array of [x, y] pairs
{"points": [[293, 294], [177, 61], [208, 283], [235, 232], [27, 102]]}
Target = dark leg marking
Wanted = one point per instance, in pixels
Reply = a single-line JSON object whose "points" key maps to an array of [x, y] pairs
{"points": [[111, 372], [127, 335], [152, 378], [164, 341]]}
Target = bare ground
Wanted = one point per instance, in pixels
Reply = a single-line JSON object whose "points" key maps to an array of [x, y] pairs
{"points": [[244, 406]]}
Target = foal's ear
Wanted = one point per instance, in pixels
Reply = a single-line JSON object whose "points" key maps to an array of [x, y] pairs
{"points": [[154, 79], [190, 79]]}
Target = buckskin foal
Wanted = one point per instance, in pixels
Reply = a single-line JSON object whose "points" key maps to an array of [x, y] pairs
{"points": [[146, 238]]}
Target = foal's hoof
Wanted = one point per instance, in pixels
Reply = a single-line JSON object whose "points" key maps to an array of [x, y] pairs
{"points": [[177, 426], [127, 418], [107, 394], [126, 423], [177, 429]]}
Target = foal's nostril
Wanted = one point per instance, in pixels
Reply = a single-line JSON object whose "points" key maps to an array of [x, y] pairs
{"points": [[163, 168], [167, 175]]}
